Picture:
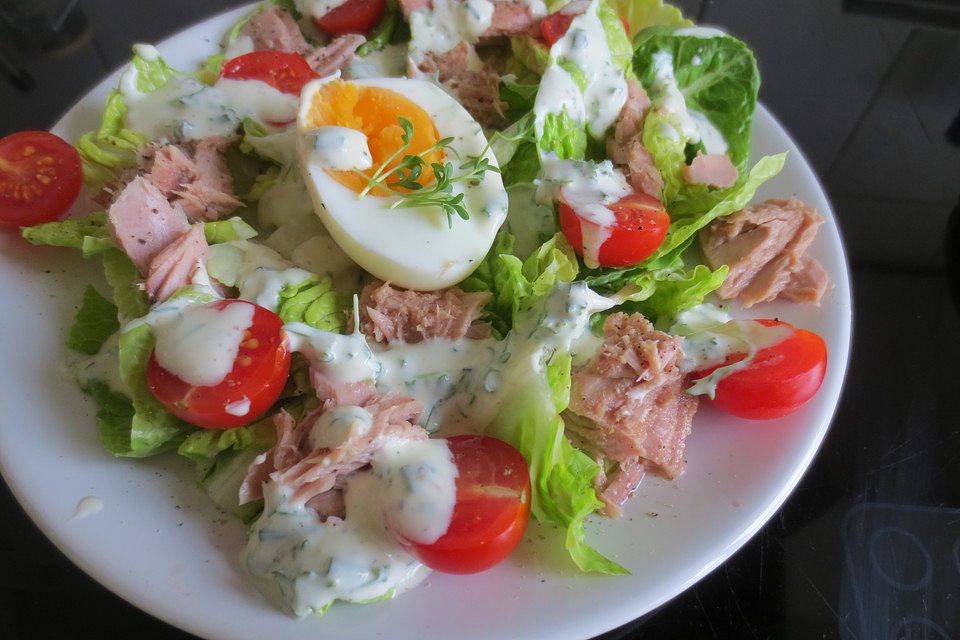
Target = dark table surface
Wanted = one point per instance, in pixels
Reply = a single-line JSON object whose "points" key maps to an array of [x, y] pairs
{"points": [[868, 546]]}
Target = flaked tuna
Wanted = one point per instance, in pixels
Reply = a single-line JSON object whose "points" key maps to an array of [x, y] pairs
{"points": [[765, 245], [398, 315], [310, 471], [143, 222], [629, 406], [274, 29], [625, 146], [478, 90], [175, 266], [195, 176]]}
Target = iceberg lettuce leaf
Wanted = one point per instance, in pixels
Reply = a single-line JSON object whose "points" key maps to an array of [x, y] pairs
{"points": [[95, 322]]}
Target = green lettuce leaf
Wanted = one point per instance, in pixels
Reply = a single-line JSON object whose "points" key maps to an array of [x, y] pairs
{"points": [[563, 136], [531, 53], [561, 475], [621, 50], [72, 232], [228, 230], [122, 276], [202, 447], [95, 322], [718, 78], [136, 426], [641, 14], [513, 282], [210, 71], [386, 30], [315, 302]]}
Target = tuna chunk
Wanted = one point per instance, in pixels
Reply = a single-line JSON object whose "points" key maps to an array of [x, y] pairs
{"points": [[143, 223], [629, 406], [335, 394], [478, 90], [713, 170], [336, 56], [312, 472], [274, 29], [512, 19], [764, 245], [175, 266], [195, 176], [397, 315], [625, 146]]}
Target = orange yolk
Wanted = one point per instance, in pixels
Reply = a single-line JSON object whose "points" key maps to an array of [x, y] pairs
{"points": [[374, 111]]}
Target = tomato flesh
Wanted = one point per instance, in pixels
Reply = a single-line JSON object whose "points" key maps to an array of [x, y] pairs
{"points": [[641, 226], [353, 16], [780, 380], [285, 72], [491, 512], [554, 26], [40, 177], [258, 376]]}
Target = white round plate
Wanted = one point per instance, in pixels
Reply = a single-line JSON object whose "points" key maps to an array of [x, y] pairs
{"points": [[162, 546]]}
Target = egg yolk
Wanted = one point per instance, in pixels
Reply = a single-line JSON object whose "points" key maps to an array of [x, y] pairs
{"points": [[375, 112]]}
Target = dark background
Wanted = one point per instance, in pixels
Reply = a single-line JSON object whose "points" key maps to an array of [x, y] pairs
{"points": [[868, 546]]}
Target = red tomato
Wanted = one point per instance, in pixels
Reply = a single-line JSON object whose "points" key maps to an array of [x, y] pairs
{"points": [[259, 374], [40, 177], [353, 16], [779, 381], [492, 509], [554, 26], [641, 226], [286, 72]]}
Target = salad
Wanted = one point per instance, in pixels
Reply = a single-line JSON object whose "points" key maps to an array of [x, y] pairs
{"points": [[397, 277]]}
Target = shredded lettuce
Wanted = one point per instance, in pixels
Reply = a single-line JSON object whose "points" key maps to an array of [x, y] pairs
{"points": [[95, 322], [74, 233]]}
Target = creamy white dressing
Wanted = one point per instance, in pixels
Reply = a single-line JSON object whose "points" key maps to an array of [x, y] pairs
{"points": [[461, 383], [388, 62], [200, 343], [710, 336], [668, 98], [335, 426], [186, 109], [86, 507], [317, 8], [443, 24], [104, 366], [304, 564], [260, 273], [238, 408], [419, 491], [599, 102], [339, 148], [587, 187], [344, 358]]}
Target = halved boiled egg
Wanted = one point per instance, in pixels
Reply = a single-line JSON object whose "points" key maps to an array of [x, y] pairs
{"points": [[349, 130]]}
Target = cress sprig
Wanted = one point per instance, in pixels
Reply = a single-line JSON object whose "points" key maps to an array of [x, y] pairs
{"points": [[411, 168]]}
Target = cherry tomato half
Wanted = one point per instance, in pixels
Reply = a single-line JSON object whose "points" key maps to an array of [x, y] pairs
{"points": [[779, 381], [286, 72], [554, 26], [40, 177], [641, 226], [258, 376], [353, 16], [491, 512]]}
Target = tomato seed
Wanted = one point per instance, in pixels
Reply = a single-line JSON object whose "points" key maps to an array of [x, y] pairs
{"points": [[244, 361]]}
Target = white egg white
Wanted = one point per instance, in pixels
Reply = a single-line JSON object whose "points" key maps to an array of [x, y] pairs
{"points": [[415, 248]]}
